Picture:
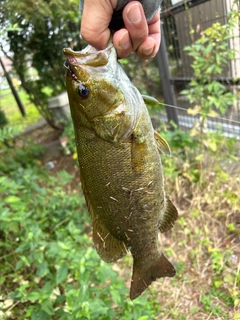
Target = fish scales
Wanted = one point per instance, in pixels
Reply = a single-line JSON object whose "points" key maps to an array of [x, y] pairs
{"points": [[120, 164], [118, 174]]}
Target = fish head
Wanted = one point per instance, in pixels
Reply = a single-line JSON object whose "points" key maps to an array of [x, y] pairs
{"points": [[92, 85]]}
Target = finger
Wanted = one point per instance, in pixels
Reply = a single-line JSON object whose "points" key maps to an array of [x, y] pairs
{"points": [[95, 20], [155, 30], [122, 43], [135, 22], [149, 48]]}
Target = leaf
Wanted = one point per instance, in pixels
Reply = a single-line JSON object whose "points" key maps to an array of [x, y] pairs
{"points": [[217, 283], [116, 296], [8, 133], [62, 273], [65, 177], [213, 113], [47, 306], [194, 111], [209, 48], [210, 69], [187, 48], [19, 265], [12, 199], [211, 145], [40, 315], [5, 215], [236, 315], [194, 132], [42, 269], [74, 156], [33, 296], [229, 278]]}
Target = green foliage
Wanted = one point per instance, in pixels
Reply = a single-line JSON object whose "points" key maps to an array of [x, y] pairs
{"points": [[41, 29], [28, 155], [49, 269], [69, 133], [179, 138], [3, 119], [211, 54], [8, 134]]}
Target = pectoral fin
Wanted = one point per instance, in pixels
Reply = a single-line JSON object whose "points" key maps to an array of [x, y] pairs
{"points": [[169, 217], [162, 144], [138, 151]]}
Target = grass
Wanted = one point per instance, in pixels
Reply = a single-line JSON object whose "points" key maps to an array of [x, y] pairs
{"points": [[9, 106]]}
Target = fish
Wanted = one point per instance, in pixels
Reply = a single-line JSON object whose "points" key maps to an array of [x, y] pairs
{"points": [[119, 156]]}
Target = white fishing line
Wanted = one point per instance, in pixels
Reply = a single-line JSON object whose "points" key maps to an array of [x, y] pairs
{"points": [[201, 113]]}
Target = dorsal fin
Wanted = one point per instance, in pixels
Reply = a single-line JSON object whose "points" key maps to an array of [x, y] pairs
{"points": [[162, 144], [169, 217]]}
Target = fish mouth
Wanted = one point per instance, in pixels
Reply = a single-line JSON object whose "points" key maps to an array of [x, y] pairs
{"points": [[89, 56], [67, 64]]}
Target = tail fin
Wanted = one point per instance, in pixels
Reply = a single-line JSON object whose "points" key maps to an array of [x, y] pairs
{"points": [[142, 276]]}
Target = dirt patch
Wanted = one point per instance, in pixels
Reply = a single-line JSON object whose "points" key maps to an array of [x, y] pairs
{"points": [[44, 134]]}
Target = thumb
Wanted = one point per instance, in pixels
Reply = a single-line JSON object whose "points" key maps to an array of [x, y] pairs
{"points": [[95, 21]]}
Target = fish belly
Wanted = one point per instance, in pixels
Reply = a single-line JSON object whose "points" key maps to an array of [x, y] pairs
{"points": [[128, 202]]}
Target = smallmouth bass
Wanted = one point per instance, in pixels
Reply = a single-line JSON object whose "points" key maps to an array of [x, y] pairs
{"points": [[120, 164]]}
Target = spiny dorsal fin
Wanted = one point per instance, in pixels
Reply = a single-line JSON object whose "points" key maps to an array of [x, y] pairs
{"points": [[150, 100], [162, 144], [169, 217]]}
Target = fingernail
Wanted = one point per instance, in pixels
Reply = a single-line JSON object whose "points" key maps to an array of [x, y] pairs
{"points": [[134, 14], [148, 51], [124, 42]]}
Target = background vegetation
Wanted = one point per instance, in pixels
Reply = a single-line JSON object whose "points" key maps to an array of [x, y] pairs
{"points": [[48, 266], [50, 270], [36, 33]]}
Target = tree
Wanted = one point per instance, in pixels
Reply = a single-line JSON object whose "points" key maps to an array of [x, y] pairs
{"points": [[39, 31]]}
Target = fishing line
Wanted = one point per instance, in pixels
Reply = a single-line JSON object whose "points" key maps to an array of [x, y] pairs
{"points": [[201, 113]]}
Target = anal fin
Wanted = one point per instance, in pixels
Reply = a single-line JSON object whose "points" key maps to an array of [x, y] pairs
{"points": [[142, 277], [109, 248], [169, 217]]}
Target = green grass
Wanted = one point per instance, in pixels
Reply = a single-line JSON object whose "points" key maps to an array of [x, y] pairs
{"points": [[9, 106]]}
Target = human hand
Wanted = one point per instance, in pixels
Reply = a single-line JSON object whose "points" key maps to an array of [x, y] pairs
{"points": [[138, 35]]}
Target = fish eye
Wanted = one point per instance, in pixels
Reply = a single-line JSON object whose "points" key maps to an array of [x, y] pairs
{"points": [[83, 91]]}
